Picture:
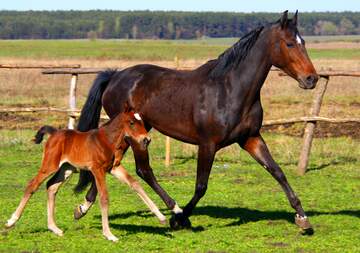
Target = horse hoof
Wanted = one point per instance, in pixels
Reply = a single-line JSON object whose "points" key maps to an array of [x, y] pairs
{"points": [[57, 231], [78, 214], [163, 222], [112, 238], [8, 225], [304, 224], [179, 221]]}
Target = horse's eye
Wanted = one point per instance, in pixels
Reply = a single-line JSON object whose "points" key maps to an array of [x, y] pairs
{"points": [[290, 45], [132, 123]]}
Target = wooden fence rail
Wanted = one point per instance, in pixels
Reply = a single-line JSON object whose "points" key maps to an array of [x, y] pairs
{"points": [[43, 66], [73, 113], [271, 122]]}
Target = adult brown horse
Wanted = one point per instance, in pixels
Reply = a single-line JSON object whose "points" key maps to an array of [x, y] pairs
{"points": [[213, 106]]}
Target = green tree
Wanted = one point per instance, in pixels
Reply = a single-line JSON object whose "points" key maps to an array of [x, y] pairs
{"points": [[325, 28], [346, 26], [134, 31], [117, 27], [101, 29]]}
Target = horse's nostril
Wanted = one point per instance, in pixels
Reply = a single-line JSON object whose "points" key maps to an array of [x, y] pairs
{"points": [[310, 79]]}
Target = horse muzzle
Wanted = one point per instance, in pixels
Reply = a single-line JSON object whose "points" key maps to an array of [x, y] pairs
{"points": [[308, 82]]}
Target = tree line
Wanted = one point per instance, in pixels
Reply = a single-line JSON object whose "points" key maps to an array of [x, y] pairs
{"points": [[160, 24]]}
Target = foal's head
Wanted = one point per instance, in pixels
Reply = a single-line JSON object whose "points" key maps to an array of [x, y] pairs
{"points": [[134, 131], [289, 53]]}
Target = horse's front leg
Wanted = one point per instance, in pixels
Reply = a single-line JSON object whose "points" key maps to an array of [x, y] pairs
{"points": [[144, 171], [257, 148], [206, 155]]}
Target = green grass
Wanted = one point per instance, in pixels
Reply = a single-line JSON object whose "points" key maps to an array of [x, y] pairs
{"points": [[244, 209], [138, 49]]}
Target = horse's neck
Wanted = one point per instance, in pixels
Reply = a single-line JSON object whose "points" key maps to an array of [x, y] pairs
{"points": [[249, 76]]}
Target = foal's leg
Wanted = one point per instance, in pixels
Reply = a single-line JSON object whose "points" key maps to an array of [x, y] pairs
{"points": [[99, 174], [82, 209], [121, 174], [53, 186], [257, 148], [48, 167]]}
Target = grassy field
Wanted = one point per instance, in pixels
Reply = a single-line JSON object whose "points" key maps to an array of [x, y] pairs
{"points": [[244, 209], [140, 49]]}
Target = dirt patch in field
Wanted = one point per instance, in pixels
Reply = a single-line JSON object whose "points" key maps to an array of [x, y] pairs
{"points": [[334, 45], [12, 120], [9, 120], [322, 130]]}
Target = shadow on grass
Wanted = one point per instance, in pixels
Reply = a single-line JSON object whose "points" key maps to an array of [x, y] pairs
{"points": [[246, 215], [339, 160], [134, 229]]}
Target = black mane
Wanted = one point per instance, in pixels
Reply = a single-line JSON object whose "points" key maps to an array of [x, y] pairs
{"points": [[235, 54]]}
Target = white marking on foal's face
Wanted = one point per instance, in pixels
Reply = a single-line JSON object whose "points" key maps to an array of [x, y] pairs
{"points": [[298, 39], [137, 116]]}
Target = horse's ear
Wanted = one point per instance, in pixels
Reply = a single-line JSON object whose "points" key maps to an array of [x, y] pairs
{"points": [[295, 18], [127, 107], [284, 19]]}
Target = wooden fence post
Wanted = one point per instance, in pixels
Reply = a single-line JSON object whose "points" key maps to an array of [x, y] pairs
{"points": [[310, 126], [167, 138], [167, 151], [72, 100]]}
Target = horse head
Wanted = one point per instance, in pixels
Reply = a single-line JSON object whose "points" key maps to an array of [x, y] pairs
{"points": [[289, 52]]}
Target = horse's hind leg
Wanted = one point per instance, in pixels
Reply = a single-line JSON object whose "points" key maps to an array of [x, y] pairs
{"points": [[48, 167], [257, 148], [53, 186], [120, 173], [81, 210]]}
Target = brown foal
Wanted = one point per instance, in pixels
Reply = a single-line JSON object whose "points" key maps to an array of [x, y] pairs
{"points": [[99, 151]]}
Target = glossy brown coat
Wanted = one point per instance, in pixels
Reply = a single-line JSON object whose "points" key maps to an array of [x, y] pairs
{"points": [[213, 106]]}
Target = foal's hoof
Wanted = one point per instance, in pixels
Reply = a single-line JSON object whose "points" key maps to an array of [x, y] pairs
{"points": [[78, 214], [57, 231], [179, 221], [163, 221], [112, 238], [304, 224], [8, 225]]}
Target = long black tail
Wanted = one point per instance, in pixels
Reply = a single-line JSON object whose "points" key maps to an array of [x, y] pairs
{"points": [[42, 131], [90, 117]]}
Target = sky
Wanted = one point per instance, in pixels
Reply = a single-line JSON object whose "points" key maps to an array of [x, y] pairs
{"points": [[185, 5]]}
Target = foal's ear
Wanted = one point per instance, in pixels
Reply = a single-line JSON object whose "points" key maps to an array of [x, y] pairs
{"points": [[295, 18], [127, 107], [284, 19]]}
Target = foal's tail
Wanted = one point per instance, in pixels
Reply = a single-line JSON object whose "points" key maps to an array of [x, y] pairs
{"points": [[42, 131], [90, 117]]}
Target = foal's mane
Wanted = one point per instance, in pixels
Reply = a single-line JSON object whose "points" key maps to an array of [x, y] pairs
{"points": [[235, 54]]}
